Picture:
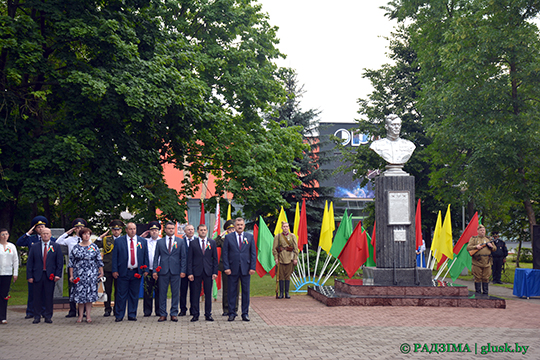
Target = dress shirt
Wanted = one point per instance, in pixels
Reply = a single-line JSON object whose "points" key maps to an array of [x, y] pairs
{"points": [[136, 265], [239, 238], [151, 250], [188, 240], [9, 260], [69, 241]]}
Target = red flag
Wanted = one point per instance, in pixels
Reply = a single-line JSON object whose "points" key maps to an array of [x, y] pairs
{"points": [[363, 249], [302, 227], [202, 213], [373, 243], [470, 231], [218, 280], [350, 254], [258, 267], [418, 225]]}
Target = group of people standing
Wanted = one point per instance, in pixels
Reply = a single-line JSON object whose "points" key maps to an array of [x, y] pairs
{"points": [[184, 265]]}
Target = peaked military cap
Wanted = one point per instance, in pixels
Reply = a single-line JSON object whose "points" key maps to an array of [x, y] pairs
{"points": [[79, 222], [154, 225], [117, 224], [40, 220], [228, 224]]}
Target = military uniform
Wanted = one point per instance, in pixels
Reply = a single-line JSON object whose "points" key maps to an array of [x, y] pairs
{"points": [[285, 250], [499, 255], [481, 263]]}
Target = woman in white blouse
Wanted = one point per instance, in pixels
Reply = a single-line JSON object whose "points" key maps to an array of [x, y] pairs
{"points": [[9, 267]]}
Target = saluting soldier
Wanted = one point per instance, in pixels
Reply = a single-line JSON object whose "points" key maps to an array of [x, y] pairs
{"points": [[481, 260], [106, 242], [285, 252]]}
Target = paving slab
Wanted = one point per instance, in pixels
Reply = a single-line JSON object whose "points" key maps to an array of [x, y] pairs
{"points": [[299, 328]]}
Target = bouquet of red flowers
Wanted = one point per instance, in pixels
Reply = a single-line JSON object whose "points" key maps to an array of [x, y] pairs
{"points": [[51, 277], [143, 267], [158, 269], [76, 280], [137, 275]]}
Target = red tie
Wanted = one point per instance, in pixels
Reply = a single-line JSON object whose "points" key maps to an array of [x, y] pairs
{"points": [[170, 244], [132, 249], [45, 257], [240, 241]]}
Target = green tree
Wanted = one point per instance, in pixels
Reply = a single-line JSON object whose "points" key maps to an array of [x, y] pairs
{"points": [[96, 97], [307, 166]]}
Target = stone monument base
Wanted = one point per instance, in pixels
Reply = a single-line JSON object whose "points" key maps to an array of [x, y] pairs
{"points": [[354, 293], [397, 277]]}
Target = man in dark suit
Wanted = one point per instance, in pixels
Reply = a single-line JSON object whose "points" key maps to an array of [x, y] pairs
{"points": [[239, 261], [185, 284], [28, 239], [202, 268], [170, 261], [43, 270], [129, 265]]}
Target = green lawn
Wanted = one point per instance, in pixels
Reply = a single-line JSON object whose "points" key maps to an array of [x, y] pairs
{"points": [[265, 286]]}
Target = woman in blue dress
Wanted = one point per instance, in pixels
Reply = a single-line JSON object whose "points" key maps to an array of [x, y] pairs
{"points": [[85, 268]]}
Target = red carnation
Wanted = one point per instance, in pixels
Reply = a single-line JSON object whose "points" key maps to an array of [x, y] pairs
{"points": [[51, 277], [76, 280], [7, 297], [158, 269], [138, 276], [143, 267]]}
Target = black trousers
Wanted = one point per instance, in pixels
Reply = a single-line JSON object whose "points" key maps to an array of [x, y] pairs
{"points": [[43, 294], [151, 292], [198, 282], [225, 293], [185, 284], [5, 282], [496, 268], [110, 280]]}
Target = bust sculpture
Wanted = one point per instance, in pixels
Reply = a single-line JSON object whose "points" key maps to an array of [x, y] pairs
{"points": [[393, 149]]}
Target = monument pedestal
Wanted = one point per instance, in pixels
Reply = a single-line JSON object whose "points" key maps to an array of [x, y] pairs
{"points": [[397, 277]]}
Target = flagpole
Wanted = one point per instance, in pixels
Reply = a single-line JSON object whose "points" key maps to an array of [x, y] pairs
{"points": [[332, 269], [326, 262], [301, 267], [307, 262], [452, 264], [316, 263], [444, 265]]}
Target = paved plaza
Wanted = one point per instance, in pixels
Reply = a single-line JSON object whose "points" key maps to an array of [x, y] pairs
{"points": [[299, 328]]}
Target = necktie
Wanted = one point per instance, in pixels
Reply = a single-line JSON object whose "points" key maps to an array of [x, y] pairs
{"points": [[132, 249], [45, 257], [240, 241], [170, 245], [203, 245]]}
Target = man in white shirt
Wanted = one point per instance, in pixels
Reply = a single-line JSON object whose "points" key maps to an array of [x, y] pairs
{"points": [[70, 242], [151, 288]]}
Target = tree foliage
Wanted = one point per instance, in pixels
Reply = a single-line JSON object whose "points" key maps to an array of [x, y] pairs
{"points": [[307, 166], [96, 96]]}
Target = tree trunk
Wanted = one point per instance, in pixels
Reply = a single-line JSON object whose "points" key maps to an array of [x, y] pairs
{"points": [[530, 216]]}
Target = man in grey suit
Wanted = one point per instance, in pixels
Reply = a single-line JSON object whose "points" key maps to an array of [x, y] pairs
{"points": [[239, 261], [170, 260]]}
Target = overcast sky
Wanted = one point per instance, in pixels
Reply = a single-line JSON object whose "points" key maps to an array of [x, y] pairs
{"points": [[329, 43]]}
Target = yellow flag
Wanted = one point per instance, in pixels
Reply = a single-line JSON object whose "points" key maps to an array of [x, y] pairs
{"points": [[296, 220], [331, 218], [446, 246], [437, 236], [282, 217], [229, 212], [325, 239]]}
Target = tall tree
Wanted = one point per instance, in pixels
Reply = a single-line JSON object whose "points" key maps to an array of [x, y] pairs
{"points": [[289, 113], [480, 66], [96, 96]]}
